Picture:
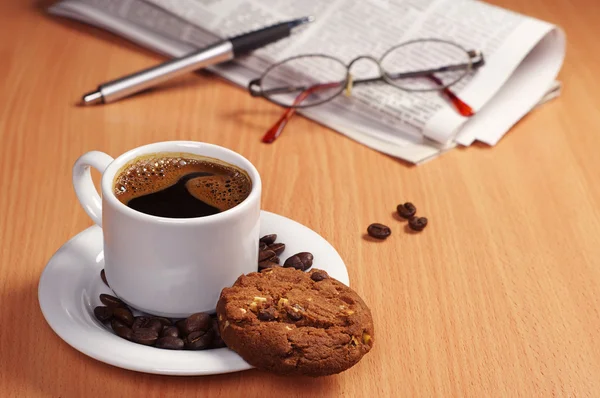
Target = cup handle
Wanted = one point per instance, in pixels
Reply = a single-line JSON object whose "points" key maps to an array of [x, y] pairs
{"points": [[84, 186]]}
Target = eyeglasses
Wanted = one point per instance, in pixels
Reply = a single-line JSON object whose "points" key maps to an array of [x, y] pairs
{"points": [[420, 65]]}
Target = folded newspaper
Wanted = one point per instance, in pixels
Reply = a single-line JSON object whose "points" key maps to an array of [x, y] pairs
{"points": [[523, 57]]}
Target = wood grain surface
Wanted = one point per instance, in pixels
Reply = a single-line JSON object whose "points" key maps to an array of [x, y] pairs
{"points": [[498, 297]]}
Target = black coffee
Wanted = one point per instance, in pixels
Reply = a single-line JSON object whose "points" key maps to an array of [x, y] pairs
{"points": [[181, 185]]}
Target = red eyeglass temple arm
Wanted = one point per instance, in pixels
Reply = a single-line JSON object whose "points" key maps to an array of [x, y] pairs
{"points": [[277, 128], [275, 131], [462, 108]]}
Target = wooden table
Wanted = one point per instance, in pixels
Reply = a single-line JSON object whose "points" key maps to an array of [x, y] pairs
{"points": [[498, 297]]}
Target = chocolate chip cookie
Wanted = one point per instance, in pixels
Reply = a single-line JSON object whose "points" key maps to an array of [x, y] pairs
{"points": [[291, 322]]}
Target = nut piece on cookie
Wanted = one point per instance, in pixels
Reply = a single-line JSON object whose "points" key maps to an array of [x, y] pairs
{"points": [[296, 323], [282, 303]]}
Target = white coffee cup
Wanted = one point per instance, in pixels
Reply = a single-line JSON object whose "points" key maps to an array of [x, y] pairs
{"points": [[170, 267]]}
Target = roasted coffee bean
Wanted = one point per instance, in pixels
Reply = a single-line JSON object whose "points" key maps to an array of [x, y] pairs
{"points": [[265, 255], [267, 264], [318, 276], [262, 246], [294, 262], [170, 343], [170, 331], [379, 231], [180, 324], [269, 239], [417, 223], [301, 261], [278, 248], [103, 276], [197, 322], [266, 314], [406, 210], [217, 340], [103, 313], [163, 320], [123, 315], [111, 301], [145, 336], [199, 340], [217, 343], [121, 329], [144, 322]]}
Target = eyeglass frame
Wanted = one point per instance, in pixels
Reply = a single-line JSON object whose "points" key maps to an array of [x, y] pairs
{"points": [[476, 60]]}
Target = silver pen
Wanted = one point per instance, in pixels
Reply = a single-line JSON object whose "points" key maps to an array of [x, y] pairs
{"points": [[222, 51]]}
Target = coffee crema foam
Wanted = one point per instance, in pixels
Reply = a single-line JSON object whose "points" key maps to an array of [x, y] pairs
{"points": [[224, 186]]}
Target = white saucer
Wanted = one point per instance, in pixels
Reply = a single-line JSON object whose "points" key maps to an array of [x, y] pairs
{"points": [[70, 287]]}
